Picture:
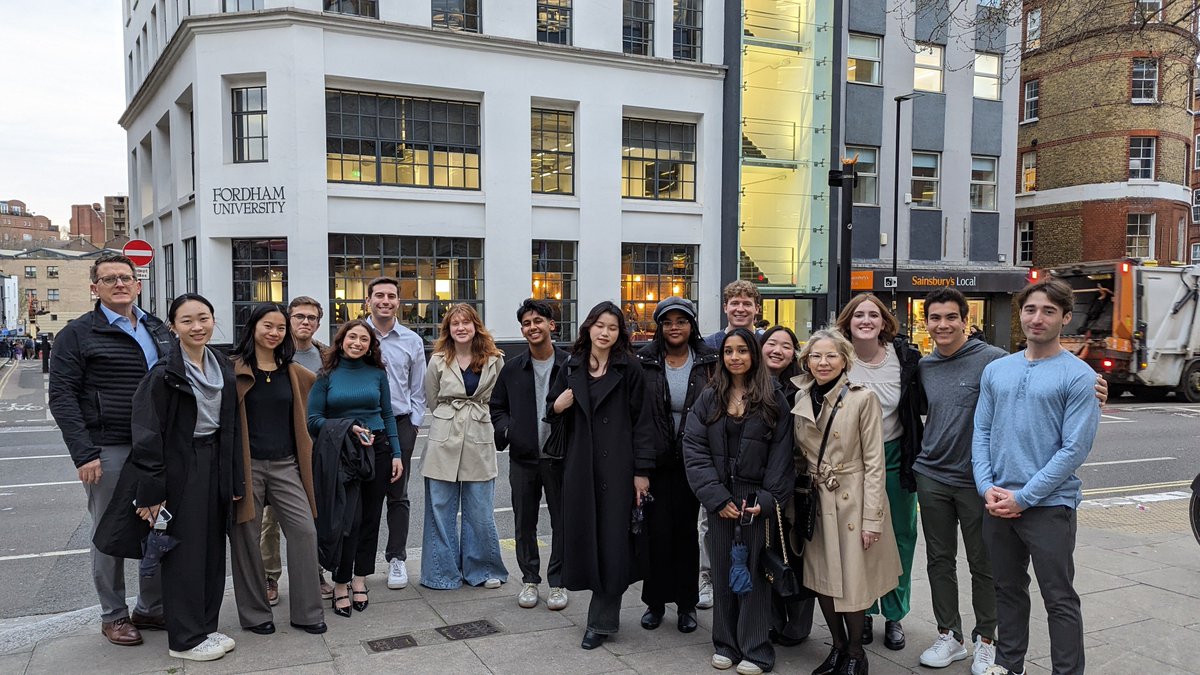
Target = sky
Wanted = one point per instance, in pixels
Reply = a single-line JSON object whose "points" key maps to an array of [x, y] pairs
{"points": [[63, 91]]}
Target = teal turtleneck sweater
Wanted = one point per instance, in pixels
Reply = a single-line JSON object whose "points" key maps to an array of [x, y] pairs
{"points": [[354, 390]]}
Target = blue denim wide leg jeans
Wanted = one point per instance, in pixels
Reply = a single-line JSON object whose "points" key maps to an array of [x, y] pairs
{"points": [[447, 560]]}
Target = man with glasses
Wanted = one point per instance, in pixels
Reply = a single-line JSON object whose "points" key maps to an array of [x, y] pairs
{"points": [[97, 363]]}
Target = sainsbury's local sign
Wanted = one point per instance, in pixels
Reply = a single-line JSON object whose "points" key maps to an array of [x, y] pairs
{"points": [[251, 200]]}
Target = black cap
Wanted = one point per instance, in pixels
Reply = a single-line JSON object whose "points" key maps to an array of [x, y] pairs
{"points": [[674, 303]]}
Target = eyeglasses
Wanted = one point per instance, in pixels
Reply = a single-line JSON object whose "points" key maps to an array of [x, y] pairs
{"points": [[817, 358], [306, 318], [112, 280]]}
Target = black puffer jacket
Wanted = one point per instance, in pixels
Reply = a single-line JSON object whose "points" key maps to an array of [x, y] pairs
{"points": [[912, 402], [668, 441]]}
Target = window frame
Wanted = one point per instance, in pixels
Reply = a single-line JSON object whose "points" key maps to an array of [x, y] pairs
{"points": [[643, 43], [644, 267], [1134, 80], [1025, 168], [682, 178], [254, 5], [1027, 100], [994, 78], [1196, 206], [1195, 252], [982, 185], [51, 271], [1023, 253], [1033, 28], [1147, 11], [940, 69], [367, 8], [1196, 151], [682, 49], [1134, 239], [168, 256], [538, 153], [865, 177], [31, 272], [877, 59], [936, 180], [254, 262], [190, 278], [52, 295], [561, 10], [1153, 156], [242, 117], [471, 21], [565, 265]]}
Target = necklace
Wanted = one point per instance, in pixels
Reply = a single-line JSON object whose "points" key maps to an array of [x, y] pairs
{"points": [[266, 374]]}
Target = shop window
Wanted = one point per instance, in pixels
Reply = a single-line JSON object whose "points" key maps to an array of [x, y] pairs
{"points": [[866, 186], [552, 146], [927, 73], [926, 180], [1141, 157], [554, 280], [460, 15], [658, 160], [864, 60], [651, 272], [983, 183], [554, 21], [987, 76], [637, 35], [1139, 235], [368, 8], [688, 29], [976, 319]]}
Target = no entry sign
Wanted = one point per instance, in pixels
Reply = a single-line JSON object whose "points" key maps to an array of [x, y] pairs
{"points": [[139, 251]]}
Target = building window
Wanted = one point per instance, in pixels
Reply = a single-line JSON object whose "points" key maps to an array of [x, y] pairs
{"points": [[16, 210], [554, 21], [926, 176], [1196, 150], [553, 280], [866, 185], [400, 140], [1145, 11], [688, 33], [1025, 243], [259, 275], [553, 152], [658, 159], [637, 36], [1033, 28], [1141, 158], [151, 289], [189, 263], [987, 76], [30, 272], [52, 295], [461, 15], [927, 73], [168, 256], [1195, 207], [52, 271], [242, 5], [651, 272], [1030, 107], [1029, 171], [4, 208], [1145, 80], [1139, 235], [983, 183], [250, 124], [434, 274], [863, 62], [1195, 257], [356, 7]]}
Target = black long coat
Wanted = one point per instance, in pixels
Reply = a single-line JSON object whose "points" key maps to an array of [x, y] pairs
{"points": [[611, 441]]}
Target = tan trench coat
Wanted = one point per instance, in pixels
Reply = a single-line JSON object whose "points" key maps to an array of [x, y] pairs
{"points": [[461, 444], [835, 563]]}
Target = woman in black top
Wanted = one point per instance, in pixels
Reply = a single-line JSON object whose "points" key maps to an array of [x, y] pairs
{"points": [[737, 448]]}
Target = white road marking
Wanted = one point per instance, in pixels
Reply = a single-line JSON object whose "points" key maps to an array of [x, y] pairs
{"points": [[1133, 500], [1130, 461], [48, 554], [9, 459], [26, 430], [25, 485]]}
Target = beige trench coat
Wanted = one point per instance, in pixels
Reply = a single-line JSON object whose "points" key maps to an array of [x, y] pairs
{"points": [[461, 444], [835, 563]]}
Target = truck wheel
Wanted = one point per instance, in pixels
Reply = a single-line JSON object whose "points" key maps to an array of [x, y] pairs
{"points": [[1195, 512], [1189, 386]]}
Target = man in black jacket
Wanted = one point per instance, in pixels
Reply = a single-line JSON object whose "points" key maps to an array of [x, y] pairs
{"points": [[97, 363], [518, 407]]}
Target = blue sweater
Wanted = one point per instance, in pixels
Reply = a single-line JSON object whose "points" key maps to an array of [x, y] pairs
{"points": [[1034, 427], [356, 391]]}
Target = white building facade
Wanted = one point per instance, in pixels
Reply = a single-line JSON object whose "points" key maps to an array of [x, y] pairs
{"points": [[481, 152]]}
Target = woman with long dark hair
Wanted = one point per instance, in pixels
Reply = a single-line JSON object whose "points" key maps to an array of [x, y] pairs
{"points": [[277, 456], [599, 395], [460, 457], [738, 453], [353, 385]]}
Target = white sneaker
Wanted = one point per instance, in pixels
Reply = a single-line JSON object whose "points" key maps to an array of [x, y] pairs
{"points": [[528, 597], [721, 662], [944, 651], [397, 574], [224, 640], [492, 583], [558, 599], [985, 657], [748, 668], [209, 650], [706, 592]]}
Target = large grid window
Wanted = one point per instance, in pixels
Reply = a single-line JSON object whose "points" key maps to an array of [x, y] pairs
{"points": [[866, 184], [1025, 242], [552, 146], [688, 33], [1141, 158], [983, 183], [434, 274], [926, 180], [259, 275], [189, 264], [1145, 80], [356, 7], [637, 36], [658, 159], [249, 124], [462, 15], [400, 140], [242, 5], [168, 256], [927, 72], [554, 21], [1029, 110], [554, 279], [651, 272], [864, 59], [1139, 235], [987, 76]]}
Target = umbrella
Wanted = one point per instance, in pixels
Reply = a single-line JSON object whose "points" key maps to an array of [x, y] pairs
{"points": [[154, 547], [739, 572]]}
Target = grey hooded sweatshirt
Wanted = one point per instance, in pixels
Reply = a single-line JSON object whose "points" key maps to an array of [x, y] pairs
{"points": [[951, 385]]}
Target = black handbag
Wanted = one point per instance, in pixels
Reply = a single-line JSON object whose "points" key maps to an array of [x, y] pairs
{"points": [[775, 565], [560, 432], [804, 498]]}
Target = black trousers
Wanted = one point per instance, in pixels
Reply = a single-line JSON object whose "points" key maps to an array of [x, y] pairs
{"points": [[358, 551], [674, 565], [398, 506], [528, 482], [740, 622], [193, 573]]}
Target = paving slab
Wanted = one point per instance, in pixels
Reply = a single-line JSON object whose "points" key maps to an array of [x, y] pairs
{"points": [[1112, 562], [1174, 579], [504, 612], [1158, 640], [379, 622], [436, 659], [551, 652], [1180, 551], [1113, 660], [635, 639], [1174, 608], [15, 663]]}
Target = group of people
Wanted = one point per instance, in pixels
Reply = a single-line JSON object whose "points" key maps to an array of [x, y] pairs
{"points": [[684, 464]]}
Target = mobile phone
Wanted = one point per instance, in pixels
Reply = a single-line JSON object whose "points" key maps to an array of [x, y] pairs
{"points": [[365, 437], [164, 517], [751, 501]]}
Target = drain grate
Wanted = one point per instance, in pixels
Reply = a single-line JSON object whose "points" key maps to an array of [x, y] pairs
{"points": [[388, 644], [468, 630]]}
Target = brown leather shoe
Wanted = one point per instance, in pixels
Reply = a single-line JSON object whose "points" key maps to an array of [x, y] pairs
{"points": [[121, 632], [272, 592], [145, 622]]}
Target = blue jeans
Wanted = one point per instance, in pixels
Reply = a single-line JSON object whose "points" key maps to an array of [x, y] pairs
{"points": [[448, 560]]}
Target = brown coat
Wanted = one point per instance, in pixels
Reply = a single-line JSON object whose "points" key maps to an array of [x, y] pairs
{"points": [[835, 563], [302, 381]]}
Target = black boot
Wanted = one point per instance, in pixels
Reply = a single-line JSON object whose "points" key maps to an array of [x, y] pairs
{"points": [[868, 634], [831, 663]]}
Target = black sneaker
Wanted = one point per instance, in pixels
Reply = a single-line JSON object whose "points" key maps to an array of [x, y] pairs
{"points": [[830, 665]]}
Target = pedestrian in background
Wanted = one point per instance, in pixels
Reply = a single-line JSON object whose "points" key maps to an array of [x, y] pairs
{"points": [[459, 464]]}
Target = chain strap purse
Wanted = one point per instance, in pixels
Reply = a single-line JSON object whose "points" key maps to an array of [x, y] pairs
{"points": [[775, 566]]}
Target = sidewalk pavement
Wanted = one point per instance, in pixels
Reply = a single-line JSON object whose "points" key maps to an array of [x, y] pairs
{"points": [[1137, 570]]}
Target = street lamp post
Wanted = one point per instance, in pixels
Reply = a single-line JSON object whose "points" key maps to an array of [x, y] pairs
{"points": [[896, 204]]}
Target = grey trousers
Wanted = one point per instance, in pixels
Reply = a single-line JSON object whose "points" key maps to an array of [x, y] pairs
{"points": [[268, 541], [108, 573], [278, 481], [1047, 536]]}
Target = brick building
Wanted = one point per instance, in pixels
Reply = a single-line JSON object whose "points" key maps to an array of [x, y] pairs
{"points": [[20, 228], [54, 286], [1194, 228], [1105, 142], [100, 224]]}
